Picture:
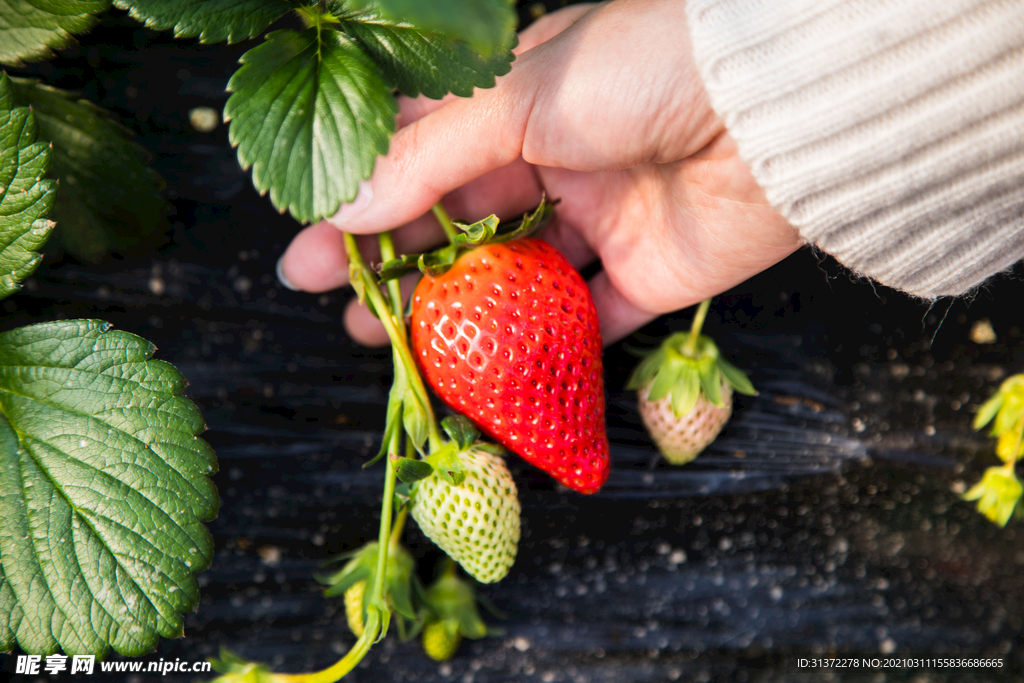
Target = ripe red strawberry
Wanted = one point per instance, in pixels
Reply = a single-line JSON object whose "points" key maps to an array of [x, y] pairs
{"points": [[509, 337]]}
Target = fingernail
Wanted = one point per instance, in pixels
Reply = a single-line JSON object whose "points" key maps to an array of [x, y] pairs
{"points": [[356, 206], [281, 277]]}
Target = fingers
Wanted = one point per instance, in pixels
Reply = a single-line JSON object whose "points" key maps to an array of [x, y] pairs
{"points": [[315, 260], [550, 25], [619, 318]]}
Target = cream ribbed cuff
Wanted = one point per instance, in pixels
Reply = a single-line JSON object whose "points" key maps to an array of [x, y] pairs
{"points": [[890, 133]]}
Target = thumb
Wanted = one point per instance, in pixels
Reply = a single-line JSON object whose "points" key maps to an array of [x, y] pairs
{"points": [[442, 151]]}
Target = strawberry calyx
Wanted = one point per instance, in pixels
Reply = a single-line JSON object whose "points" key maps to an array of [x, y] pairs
{"points": [[453, 615], [684, 367], [483, 232], [361, 570]]}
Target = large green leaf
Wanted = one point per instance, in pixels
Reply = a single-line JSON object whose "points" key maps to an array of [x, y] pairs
{"points": [[310, 113], [416, 61], [212, 20], [30, 28], [109, 199], [25, 199], [104, 489], [487, 25]]}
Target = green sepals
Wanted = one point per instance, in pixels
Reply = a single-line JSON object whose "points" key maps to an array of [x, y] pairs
{"points": [[736, 378], [476, 234], [25, 198], [361, 564], [997, 494], [451, 598], [674, 371], [398, 578], [404, 411], [490, 231], [213, 21], [31, 29], [483, 232], [492, 448], [461, 430], [234, 669], [402, 498], [415, 416], [686, 393], [446, 461], [109, 199], [310, 113], [1006, 406], [711, 380], [409, 470], [487, 25]]}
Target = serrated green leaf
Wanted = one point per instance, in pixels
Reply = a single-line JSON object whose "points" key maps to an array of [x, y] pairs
{"points": [[32, 29], [415, 61], [25, 198], [212, 21], [736, 378], [409, 470], [309, 112], [487, 25], [109, 198], [711, 382], [104, 489], [686, 392]]}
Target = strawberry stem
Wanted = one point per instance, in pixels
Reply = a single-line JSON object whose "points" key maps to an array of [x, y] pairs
{"points": [[399, 527], [387, 253], [376, 606], [446, 222], [346, 664], [690, 348], [394, 325]]}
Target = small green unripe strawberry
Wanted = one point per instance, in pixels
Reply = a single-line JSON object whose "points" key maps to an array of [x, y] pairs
{"points": [[685, 394], [354, 608], [453, 615], [476, 522], [441, 639], [357, 582]]}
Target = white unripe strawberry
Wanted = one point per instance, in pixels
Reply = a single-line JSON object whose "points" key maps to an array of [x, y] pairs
{"points": [[685, 395], [681, 439], [477, 522]]}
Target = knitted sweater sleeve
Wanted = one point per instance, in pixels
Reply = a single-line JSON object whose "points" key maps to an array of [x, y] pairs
{"points": [[890, 133]]}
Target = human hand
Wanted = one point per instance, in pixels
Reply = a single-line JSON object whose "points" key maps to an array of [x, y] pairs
{"points": [[605, 110]]}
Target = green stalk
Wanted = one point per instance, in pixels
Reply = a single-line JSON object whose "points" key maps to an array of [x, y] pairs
{"points": [[391, 325], [346, 664], [446, 222], [387, 253], [690, 348], [396, 531], [376, 606]]}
